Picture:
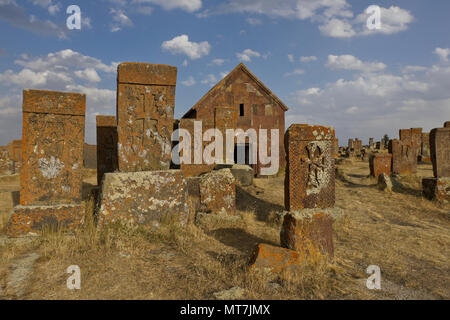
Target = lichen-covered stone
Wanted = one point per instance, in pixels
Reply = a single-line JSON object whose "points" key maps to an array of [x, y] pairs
{"points": [[310, 174], [404, 156], [380, 163], [106, 146], [437, 189], [26, 220], [425, 152], [308, 231], [384, 182], [145, 116], [440, 151], [275, 259], [243, 174], [53, 139], [140, 198], [218, 192]]}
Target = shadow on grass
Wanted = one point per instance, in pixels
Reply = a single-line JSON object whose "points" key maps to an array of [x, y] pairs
{"points": [[247, 202]]}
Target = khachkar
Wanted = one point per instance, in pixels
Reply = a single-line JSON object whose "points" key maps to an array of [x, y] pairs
{"points": [[309, 190], [145, 116], [439, 187], [106, 146], [52, 162]]}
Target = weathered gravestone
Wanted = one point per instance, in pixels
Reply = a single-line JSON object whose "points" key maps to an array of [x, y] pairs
{"points": [[439, 187], [404, 157], [52, 163], [145, 114], [106, 146], [425, 152], [380, 163]]}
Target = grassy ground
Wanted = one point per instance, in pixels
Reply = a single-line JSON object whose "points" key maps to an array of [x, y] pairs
{"points": [[407, 236]]}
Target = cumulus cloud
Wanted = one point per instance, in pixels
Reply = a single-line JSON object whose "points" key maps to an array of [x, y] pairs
{"points": [[247, 55], [442, 53], [17, 16], [186, 5], [210, 80], [290, 57], [182, 45], [370, 104], [189, 82], [218, 62], [308, 59], [120, 20], [88, 74], [349, 62], [296, 72]]}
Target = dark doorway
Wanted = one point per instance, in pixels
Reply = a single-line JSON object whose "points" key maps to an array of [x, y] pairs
{"points": [[242, 154]]}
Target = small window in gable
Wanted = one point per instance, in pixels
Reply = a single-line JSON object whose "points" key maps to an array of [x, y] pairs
{"points": [[241, 110]]}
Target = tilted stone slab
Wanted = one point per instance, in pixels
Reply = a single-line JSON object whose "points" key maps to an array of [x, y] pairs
{"points": [[310, 172], [141, 198], [436, 189], [30, 220]]}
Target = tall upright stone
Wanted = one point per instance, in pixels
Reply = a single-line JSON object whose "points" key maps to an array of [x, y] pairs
{"points": [[425, 152], [439, 187], [106, 146], [52, 162], [404, 157], [310, 176], [145, 116]]}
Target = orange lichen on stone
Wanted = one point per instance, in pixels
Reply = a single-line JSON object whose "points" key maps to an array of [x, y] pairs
{"points": [[148, 74], [380, 163], [275, 259], [308, 232], [218, 192], [436, 189], [404, 156], [27, 220]]}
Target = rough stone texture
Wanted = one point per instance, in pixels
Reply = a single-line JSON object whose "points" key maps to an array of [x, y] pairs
{"points": [[351, 144], [141, 198], [440, 151], [106, 146], [234, 293], [425, 152], [447, 124], [5, 161], [385, 182], [243, 174], [412, 137], [404, 157], [310, 174], [380, 163], [53, 138], [436, 189], [26, 220], [261, 108], [145, 114], [308, 231], [357, 147], [15, 152], [191, 169], [90, 156], [275, 259], [218, 192]]}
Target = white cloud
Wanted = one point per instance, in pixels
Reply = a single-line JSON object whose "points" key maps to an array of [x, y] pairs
{"points": [[210, 80], [182, 45], [349, 62], [308, 59], [370, 104], [393, 20], [120, 20], [189, 82], [247, 55], [290, 57], [337, 28], [442, 53], [88, 74], [186, 5], [296, 72], [218, 62], [413, 69], [253, 21]]}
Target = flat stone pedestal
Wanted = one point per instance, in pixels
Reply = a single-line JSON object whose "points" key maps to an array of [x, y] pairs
{"points": [[272, 258], [436, 189], [29, 220]]}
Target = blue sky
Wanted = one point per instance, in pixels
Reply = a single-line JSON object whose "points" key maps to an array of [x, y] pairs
{"points": [[317, 55]]}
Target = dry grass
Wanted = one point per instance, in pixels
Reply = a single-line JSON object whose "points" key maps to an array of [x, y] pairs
{"points": [[408, 237]]}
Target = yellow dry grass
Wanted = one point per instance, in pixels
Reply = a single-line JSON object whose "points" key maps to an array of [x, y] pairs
{"points": [[407, 236]]}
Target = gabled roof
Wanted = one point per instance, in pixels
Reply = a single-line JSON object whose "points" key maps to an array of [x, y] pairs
{"points": [[260, 84]]}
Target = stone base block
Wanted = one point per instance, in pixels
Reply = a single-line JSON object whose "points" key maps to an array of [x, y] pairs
{"points": [[309, 231], [243, 174], [437, 189], [29, 220], [143, 197], [275, 259], [218, 192]]}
